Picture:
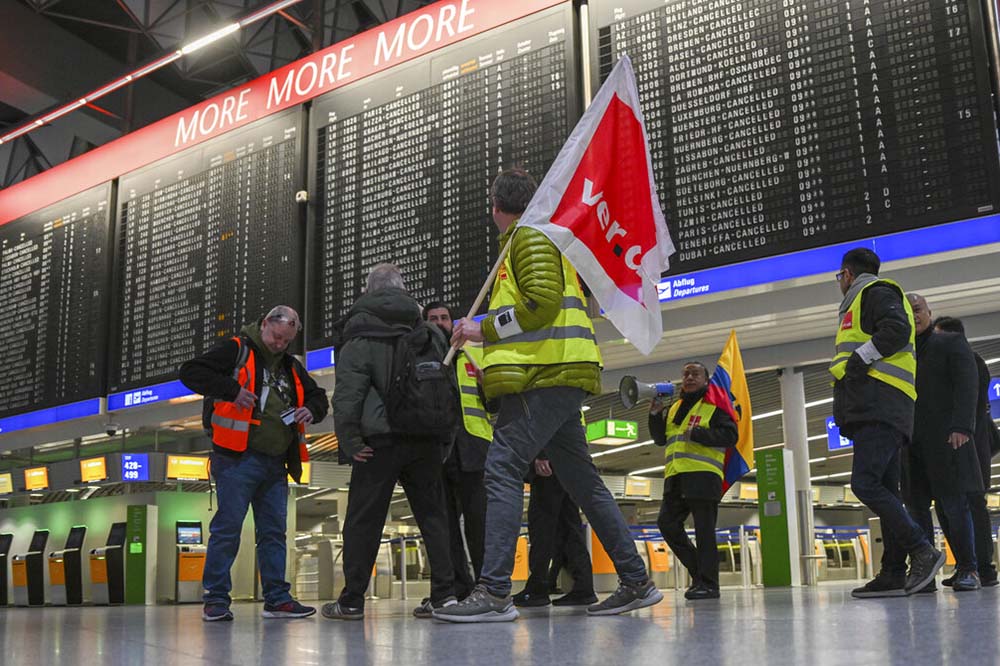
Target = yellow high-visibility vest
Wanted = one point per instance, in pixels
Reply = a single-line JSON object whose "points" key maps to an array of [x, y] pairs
{"points": [[474, 416], [898, 370], [682, 454]]}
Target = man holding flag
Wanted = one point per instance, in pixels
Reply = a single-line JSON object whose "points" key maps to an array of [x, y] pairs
{"points": [[700, 434], [595, 212]]}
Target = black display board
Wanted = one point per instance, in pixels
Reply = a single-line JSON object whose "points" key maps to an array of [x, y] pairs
{"points": [[55, 268], [405, 159], [780, 125], [207, 241]]}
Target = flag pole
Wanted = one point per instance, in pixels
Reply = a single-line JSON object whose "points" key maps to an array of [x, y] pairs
{"points": [[482, 293]]}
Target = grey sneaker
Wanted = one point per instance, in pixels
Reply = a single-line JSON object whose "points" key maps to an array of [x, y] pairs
{"points": [[628, 597], [426, 607], [338, 611], [480, 606]]}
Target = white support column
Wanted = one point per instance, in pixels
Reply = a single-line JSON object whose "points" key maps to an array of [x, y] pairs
{"points": [[793, 421]]}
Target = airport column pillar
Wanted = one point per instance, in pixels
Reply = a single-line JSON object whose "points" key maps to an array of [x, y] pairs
{"points": [[793, 422]]}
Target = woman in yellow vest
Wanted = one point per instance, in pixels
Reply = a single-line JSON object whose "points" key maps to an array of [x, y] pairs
{"points": [[696, 436]]}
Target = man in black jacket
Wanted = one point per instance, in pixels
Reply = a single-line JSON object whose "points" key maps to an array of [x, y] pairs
{"points": [[380, 454], [942, 462], [693, 476], [464, 487], [873, 402], [986, 429], [262, 399]]}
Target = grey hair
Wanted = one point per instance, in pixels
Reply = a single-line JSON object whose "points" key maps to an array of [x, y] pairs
{"points": [[383, 276], [284, 312]]}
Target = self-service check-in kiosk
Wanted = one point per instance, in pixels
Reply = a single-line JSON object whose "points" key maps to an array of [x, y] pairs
{"points": [[66, 570], [5, 541], [28, 573], [107, 569], [190, 562]]}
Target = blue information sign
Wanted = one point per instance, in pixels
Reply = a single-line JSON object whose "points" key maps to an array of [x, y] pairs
{"points": [[995, 397], [135, 467], [51, 415], [834, 440], [147, 396]]}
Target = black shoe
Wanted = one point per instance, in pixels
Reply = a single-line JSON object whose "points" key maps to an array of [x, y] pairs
{"points": [[525, 599], [628, 597], [929, 588], [924, 565], [989, 581], [950, 579], [966, 581], [882, 585], [576, 599], [702, 591], [338, 611], [426, 608]]}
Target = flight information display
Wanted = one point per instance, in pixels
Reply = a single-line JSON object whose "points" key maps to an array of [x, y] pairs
{"points": [[405, 159], [55, 267], [208, 241], [780, 125]]}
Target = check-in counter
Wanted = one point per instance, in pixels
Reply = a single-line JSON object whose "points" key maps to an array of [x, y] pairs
{"points": [[107, 569], [66, 570], [5, 542], [190, 561], [846, 553], [28, 572]]}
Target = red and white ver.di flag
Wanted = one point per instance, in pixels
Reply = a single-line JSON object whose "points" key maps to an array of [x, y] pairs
{"points": [[598, 205]]}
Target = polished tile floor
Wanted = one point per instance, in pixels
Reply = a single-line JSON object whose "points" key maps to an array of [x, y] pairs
{"points": [[804, 627]]}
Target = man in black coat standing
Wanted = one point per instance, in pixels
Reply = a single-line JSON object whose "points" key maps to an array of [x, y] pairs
{"points": [[873, 402], [942, 462], [982, 527]]}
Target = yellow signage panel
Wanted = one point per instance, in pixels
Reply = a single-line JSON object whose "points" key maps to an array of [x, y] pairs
{"points": [[93, 469], [306, 474], [638, 487], [36, 478], [6, 483], [992, 501], [187, 468], [748, 491]]}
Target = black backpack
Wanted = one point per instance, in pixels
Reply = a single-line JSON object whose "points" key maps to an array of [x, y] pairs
{"points": [[421, 396]]}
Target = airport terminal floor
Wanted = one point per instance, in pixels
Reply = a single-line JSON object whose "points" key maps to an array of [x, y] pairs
{"points": [[793, 626]]}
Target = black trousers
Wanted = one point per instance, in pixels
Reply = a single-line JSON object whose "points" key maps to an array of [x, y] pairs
{"points": [[553, 526], [465, 496], [417, 466], [702, 562], [982, 534]]}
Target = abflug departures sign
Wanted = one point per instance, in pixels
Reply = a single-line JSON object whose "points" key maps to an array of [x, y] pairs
{"points": [[783, 125], [54, 272], [402, 162]]}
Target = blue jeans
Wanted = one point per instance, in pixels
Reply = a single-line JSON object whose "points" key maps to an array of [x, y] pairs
{"points": [[257, 480], [547, 418], [875, 480]]}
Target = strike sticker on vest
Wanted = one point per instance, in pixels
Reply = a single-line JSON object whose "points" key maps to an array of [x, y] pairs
{"points": [[848, 322], [470, 370]]}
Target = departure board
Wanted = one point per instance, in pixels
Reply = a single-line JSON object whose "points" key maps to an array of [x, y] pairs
{"points": [[404, 162], [55, 268], [780, 125], [208, 241]]}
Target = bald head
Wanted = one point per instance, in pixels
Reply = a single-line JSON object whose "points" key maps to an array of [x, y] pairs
{"points": [[921, 312]]}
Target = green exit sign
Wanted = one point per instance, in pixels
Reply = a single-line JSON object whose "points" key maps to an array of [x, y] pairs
{"points": [[612, 432]]}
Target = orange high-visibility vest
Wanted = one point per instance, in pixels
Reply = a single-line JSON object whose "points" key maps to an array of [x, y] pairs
{"points": [[231, 423]]}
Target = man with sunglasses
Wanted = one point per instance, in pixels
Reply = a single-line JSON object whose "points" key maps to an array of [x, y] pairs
{"points": [[261, 400]]}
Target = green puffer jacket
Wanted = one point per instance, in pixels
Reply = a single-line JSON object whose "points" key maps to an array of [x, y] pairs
{"points": [[538, 272]]}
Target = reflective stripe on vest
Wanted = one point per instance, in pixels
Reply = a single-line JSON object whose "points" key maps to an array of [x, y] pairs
{"points": [[683, 455], [231, 423], [569, 339], [898, 370], [473, 412]]}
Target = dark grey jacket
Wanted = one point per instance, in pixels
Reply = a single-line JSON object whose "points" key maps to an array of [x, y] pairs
{"points": [[947, 394], [364, 342], [860, 400]]}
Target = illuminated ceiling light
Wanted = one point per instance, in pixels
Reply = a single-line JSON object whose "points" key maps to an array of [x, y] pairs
{"points": [[757, 417], [816, 403], [202, 42], [266, 11], [619, 449], [658, 468]]}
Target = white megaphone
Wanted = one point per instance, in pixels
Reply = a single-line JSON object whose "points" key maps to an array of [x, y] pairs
{"points": [[631, 391]]}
